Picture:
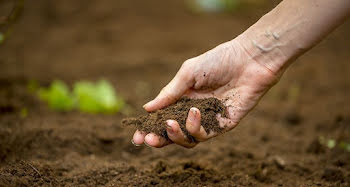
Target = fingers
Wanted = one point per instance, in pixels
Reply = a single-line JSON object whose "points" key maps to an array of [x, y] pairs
{"points": [[152, 140], [176, 135], [193, 125], [138, 138], [194, 128], [182, 81]]}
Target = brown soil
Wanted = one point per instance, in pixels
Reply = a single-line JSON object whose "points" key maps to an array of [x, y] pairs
{"points": [[156, 121], [139, 46]]}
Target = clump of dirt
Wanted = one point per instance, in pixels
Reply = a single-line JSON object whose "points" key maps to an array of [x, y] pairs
{"points": [[156, 121], [331, 174], [21, 173], [187, 173]]}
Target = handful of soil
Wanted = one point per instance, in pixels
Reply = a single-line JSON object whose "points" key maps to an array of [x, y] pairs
{"points": [[156, 121]]}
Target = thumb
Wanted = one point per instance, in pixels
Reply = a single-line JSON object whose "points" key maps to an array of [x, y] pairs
{"points": [[182, 81]]}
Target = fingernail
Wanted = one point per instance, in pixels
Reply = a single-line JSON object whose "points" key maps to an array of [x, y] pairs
{"points": [[147, 145], [193, 114], [168, 127], [137, 145]]}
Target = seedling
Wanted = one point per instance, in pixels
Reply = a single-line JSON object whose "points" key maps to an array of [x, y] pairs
{"points": [[345, 146], [87, 96], [98, 97], [331, 143], [213, 5], [57, 96]]}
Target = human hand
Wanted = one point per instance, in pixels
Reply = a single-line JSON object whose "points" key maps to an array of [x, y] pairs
{"points": [[227, 72], [241, 71]]}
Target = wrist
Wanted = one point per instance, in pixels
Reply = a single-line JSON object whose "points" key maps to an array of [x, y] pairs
{"points": [[275, 40], [290, 29], [265, 49]]}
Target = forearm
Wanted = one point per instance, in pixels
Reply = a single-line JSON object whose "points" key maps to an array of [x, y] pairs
{"points": [[290, 29]]}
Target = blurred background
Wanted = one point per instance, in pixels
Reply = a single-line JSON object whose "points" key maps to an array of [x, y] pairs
{"points": [[138, 46]]}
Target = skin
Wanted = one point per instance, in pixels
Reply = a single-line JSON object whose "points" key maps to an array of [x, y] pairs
{"points": [[239, 72]]}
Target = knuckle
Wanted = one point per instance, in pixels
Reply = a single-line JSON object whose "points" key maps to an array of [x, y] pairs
{"points": [[168, 94], [187, 64], [192, 131], [197, 134], [185, 73], [190, 126]]}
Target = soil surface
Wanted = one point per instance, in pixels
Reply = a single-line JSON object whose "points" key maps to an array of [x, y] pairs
{"points": [[156, 121], [139, 46]]}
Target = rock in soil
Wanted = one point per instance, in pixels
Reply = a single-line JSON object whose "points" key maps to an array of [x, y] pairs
{"points": [[156, 121]]}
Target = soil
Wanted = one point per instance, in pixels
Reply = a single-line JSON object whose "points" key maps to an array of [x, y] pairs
{"points": [[156, 121], [139, 46]]}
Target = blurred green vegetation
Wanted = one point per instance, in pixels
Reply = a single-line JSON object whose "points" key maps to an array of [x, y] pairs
{"points": [[332, 143], [88, 97], [344, 145], [57, 96], [2, 37], [207, 6], [24, 112], [97, 97]]}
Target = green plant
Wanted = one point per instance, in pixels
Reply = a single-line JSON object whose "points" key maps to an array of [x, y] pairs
{"points": [[57, 96], [89, 97], [97, 97], [213, 5], [345, 146], [331, 143]]}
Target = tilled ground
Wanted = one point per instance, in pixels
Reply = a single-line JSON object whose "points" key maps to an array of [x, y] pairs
{"points": [[139, 47]]}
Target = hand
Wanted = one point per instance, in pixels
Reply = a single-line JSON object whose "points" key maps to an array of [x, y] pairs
{"points": [[241, 71], [227, 72]]}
